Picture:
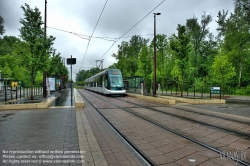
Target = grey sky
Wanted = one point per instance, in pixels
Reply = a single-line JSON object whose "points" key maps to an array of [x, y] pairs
{"points": [[80, 16]]}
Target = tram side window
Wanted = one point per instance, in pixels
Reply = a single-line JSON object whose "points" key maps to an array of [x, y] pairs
{"points": [[99, 81], [106, 82]]}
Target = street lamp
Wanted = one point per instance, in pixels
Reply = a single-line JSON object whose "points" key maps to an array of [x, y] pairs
{"points": [[44, 72], [154, 82]]}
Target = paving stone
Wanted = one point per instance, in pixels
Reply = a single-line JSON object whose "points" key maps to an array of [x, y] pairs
{"points": [[43, 129]]}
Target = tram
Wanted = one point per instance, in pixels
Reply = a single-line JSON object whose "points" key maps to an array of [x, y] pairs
{"points": [[107, 82]]}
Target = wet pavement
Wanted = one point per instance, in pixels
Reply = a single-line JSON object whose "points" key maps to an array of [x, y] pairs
{"points": [[63, 98], [37, 133]]}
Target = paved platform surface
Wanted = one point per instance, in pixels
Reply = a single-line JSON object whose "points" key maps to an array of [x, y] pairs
{"points": [[43, 131]]}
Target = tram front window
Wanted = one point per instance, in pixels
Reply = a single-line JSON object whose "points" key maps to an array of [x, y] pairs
{"points": [[116, 82]]}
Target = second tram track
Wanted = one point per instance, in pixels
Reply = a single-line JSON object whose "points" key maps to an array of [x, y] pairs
{"points": [[196, 121]]}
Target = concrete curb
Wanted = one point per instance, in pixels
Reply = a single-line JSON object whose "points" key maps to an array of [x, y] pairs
{"points": [[218, 114], [44, 104], [78, 99], [196, 101], [155, 99]]}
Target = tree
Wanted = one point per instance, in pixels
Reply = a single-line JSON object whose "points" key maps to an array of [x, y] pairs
{"points": [[56, 67], [1, 26], [203, 45], [180, 45], [7, 44], [39, 44], [222, 70], [161, 53], [145, 65], [235, 31], [128, 53]]}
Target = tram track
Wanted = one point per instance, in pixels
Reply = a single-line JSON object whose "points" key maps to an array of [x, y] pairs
{"points": [[142, 157], [175, 132], [189, 119]]}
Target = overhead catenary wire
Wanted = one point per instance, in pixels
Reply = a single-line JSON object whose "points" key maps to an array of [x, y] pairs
{"points": [[131, 28], [98, 37], [94, 31]]}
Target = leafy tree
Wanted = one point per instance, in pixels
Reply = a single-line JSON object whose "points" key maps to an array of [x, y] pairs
{"points": [[145, 65], [203, 45], [235, 31], [7, 44], [180, 45], [56, 67], [82, 75], [222, 70], [176, 71], [1, 26], [128, 53], [39, 45], [161, 53], [245, 5], [121, 57]]}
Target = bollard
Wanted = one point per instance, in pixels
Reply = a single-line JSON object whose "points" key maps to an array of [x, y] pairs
{"points": [[16, 92], [201, 92], [141, 88], [181, 91], [49, 92], [11, 92], [194, 91], [5, 93], [20, 92], [159, 89], [220, 93]]}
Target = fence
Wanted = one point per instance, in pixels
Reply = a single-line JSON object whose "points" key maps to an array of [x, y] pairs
{"points": [[193, 92], [171, 88], [9, 93]]}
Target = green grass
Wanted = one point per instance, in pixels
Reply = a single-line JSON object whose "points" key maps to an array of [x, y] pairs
{"points": [[78, 87]]}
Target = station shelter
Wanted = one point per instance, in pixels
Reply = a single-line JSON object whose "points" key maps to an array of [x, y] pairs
{"points": [[133, 83]]}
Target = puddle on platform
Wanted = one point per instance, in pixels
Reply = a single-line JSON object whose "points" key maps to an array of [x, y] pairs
{"points": [[63, 98]]}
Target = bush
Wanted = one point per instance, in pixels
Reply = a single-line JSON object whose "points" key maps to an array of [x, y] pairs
{"points": [[243, 91]]}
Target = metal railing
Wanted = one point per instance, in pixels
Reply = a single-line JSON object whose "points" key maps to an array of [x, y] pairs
{"points": [[18, 92], [175, 90]]}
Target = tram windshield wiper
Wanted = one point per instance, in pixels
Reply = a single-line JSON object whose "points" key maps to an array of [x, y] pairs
{"points": [[115, 84]]}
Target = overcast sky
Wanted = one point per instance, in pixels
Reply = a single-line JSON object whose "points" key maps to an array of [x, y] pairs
{"points": [[80, 16]]}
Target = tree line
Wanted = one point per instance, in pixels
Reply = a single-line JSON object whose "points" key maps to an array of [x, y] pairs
{"points": [[26, 58], [193, 57]]}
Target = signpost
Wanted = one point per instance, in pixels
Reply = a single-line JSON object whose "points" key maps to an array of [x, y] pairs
{"points": [[71, 61], [215, 90]]}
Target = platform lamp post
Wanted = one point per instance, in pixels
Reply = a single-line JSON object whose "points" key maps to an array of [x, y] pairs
{"points": [[154, 82], [44, 72]]}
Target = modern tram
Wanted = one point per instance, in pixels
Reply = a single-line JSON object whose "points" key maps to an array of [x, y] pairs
{"points": [[107, 82]]}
